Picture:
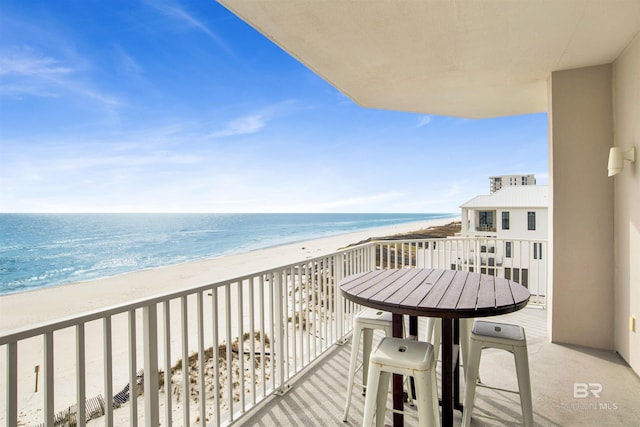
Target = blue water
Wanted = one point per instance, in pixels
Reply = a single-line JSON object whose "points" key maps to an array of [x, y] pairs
{"points": [[43, 250]]}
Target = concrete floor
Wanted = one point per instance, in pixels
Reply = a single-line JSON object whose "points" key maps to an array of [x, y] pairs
{"points": [[317, 397]]}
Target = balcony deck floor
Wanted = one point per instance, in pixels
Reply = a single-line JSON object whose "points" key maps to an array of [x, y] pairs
{"points": [[317, 396]]}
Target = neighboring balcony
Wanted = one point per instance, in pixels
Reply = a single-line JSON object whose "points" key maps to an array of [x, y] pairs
{"points": [[268, 349]]}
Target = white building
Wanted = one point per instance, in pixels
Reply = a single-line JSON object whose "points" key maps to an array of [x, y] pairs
{"points": [[511, 227], [518, 212], [497, 182]]}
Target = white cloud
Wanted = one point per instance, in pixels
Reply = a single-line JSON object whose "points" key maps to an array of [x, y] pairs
{"points": [[26, 64], [424, 120], [28, 73], [181, 15], [241, 126], [255, 122], [126, 63]]}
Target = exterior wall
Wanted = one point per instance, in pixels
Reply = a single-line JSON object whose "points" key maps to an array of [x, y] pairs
{"points": [[626, 106], [517, 223], [581, 207]]}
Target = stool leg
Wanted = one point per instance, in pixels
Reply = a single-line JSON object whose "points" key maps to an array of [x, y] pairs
{"points": [[367, 342], [465, 333], [355, 346], [434, 397], [471, 375], [371, 397], [426, 411], [524, 384], [381, 397], [436, 335]]}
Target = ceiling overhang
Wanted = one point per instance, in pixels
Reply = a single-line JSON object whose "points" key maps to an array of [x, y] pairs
{"points": [[458, 58]]}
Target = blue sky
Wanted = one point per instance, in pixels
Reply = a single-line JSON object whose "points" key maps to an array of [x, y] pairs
{"points": [[179, 106]]}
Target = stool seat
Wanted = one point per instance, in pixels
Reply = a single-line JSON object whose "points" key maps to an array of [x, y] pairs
{"points": [[364, 323], [404, 354], [404, 357], [485, 334], [499, 333], [372, 316]]}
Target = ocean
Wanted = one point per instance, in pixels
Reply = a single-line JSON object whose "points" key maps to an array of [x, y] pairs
{"points": [[43, 250]]}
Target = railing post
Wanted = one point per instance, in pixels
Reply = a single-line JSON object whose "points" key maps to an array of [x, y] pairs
{"points": [[12, 384], [338, 275], [133, 390], [186, 384], [201, 359], [167, 363], [48, 377], [216, 357], [151, 393], [108, 371], [372, 257], [80, 375], [279, 360]]}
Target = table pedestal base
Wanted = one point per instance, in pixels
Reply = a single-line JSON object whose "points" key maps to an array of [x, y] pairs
{"points": [[450, 369]]}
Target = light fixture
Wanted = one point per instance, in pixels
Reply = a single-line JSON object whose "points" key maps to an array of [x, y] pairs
{"points": [[617, 158]]}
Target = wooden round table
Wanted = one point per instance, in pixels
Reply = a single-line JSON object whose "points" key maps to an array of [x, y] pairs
{"points": [[447, 294]]}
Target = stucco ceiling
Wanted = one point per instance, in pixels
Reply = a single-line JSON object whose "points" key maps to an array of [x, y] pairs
{"points": [[450, 57]]}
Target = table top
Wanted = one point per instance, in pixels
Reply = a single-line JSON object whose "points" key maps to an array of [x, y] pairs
{"points": [[435, 292]]}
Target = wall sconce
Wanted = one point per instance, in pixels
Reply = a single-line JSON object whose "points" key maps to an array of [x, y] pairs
{"points": [[617, 158]]}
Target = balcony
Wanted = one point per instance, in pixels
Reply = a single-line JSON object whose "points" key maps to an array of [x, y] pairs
{"points": [[317, 396], [294, 324]]}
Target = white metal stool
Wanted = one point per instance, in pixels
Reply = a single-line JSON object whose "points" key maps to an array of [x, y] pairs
{"points": [[409, 358], [434, 336], [502, 336], [364, 323]]}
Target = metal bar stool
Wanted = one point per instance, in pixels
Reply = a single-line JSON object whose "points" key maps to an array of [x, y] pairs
{"points": [[364, 324], [409, 358], [502, 336], [434, 335]]}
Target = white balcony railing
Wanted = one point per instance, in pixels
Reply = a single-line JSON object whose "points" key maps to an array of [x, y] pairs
{"points": [[227, 345]]}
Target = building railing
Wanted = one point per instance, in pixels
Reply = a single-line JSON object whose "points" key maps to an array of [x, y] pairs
{"points": [[221, 347], [486, 227]]}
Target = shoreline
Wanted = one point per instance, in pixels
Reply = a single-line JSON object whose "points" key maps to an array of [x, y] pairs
{"points": [[79, 297]]}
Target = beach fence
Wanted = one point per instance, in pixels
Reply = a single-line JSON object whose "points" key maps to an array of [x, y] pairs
{"points": [[94, 407], [294, 312]]}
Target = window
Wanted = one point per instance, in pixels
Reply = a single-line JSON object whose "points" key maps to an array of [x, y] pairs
{"points": [[516, 275], [507, 273], [505, 220], [507, 249], [525, 278], [485, 220], [531, 220], [537, 251]]}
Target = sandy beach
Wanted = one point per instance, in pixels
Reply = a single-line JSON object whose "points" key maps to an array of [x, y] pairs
{"points": [[33, 307], [28, 308]]}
